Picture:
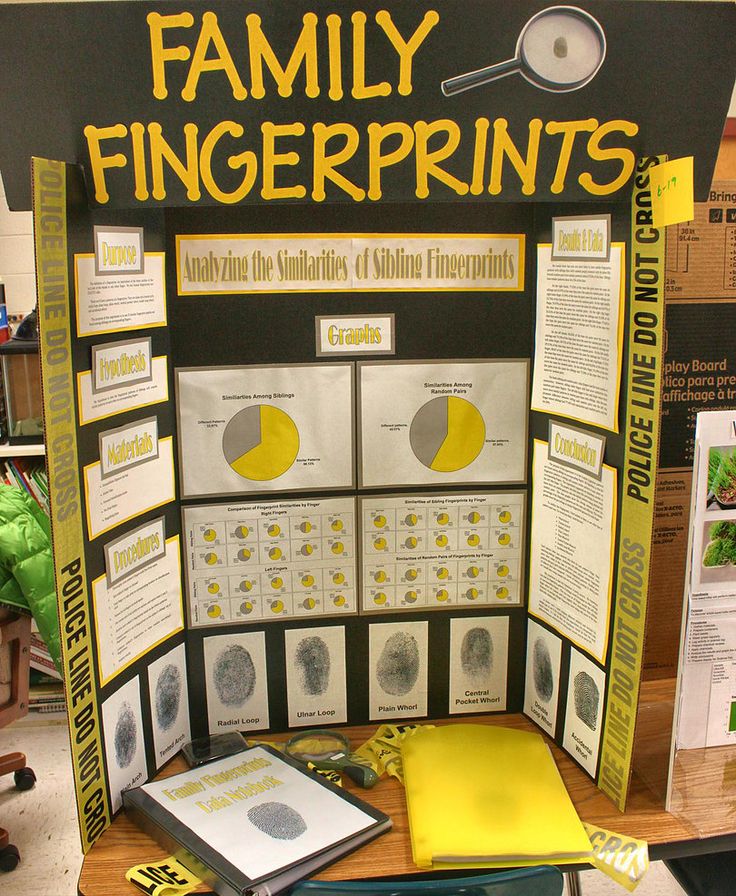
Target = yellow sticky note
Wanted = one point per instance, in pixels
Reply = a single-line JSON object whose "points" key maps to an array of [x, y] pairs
{"points": [[671, 186]]}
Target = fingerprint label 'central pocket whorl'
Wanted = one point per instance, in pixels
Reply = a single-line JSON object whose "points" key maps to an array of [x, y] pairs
{"points": [[476, 654], [277, 820], [126, 735], [168, 696], [586, 699], [312, 658], [542, 670], [234, 675], [397, 669]]}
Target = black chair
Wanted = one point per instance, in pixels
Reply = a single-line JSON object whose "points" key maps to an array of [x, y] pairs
{"points": [[539, 881], [713, 874], [15, 634]]}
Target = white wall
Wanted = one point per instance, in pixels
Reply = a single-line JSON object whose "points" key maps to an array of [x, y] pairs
{"points": [[17, 267]]}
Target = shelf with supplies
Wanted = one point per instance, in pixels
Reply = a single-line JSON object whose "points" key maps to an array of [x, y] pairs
{"points": [[36, 450]]}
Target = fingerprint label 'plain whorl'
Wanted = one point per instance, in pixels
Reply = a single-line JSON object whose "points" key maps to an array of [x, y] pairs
{"points": [[586, 699], [544, 682], [168, 696], [312, 658], [126, 735], [397, 669], [234, 675], [277, 820], [476, 654]]}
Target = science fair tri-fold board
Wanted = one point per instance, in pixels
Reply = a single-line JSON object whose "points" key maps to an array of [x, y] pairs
{"points": [[351, 368]]}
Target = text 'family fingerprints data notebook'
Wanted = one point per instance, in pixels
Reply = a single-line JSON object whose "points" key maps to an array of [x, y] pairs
{"points": [[253, 823], [486, 795]]}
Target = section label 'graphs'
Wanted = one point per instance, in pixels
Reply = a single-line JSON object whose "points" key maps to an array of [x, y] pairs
{"points": [[244, 430]]}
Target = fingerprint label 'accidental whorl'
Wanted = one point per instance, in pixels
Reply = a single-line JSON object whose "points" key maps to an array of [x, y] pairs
{"points": [[277, 820], [397, 669], [234, 675], [168, 696], [476, 654], [312, 658], [544, 682], [126, 735], [586, 700]]}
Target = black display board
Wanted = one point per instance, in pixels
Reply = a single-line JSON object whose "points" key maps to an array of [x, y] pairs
{"points": [[361, 142]]}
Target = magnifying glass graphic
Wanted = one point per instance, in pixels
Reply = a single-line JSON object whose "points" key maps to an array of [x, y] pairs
{"points": [[559, 49], [330, 750]]}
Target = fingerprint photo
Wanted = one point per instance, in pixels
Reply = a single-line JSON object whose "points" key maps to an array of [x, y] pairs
{"points": [[586, 699], [397, 669], [277, 820], [126, 735], [476, 655], [542, 670], [234, 675], [168, 696], [312, 659]]}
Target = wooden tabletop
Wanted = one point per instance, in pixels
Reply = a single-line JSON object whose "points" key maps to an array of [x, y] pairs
{"points": [[124, 845]]}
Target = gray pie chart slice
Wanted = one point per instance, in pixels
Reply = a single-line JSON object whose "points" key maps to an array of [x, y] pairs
{"points": [[429, 430], [242, 433]]}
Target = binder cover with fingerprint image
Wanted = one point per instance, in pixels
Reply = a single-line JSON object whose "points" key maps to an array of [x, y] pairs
{"points": [[256, 822]]}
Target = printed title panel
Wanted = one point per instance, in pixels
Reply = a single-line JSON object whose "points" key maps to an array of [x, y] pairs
{"points": [[386, 262]]}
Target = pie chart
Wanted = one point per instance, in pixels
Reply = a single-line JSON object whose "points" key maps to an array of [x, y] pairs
{"points": [[447, 434], [260, 442]]}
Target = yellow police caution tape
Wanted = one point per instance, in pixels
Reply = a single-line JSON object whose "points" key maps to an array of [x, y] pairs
{"points": [[624, 859], [164, 878], [383, 750]]}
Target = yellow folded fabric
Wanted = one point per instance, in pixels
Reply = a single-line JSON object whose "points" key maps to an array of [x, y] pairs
{"points": [[484, 795]]}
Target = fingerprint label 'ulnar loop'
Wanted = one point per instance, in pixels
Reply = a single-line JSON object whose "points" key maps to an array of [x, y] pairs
{"points": [[397, 669], [277, 820], [312, 658], [234, 675]]}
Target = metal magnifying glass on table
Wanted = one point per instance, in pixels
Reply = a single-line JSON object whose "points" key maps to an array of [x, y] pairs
{"points": [[559, 49], [330, 750]]}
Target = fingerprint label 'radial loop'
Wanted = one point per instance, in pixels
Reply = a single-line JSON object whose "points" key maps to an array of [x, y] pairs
{"points": [[234, 675], [397, 669], [542, 670], [126, 735], [277, 820], [312, 658], [587, 697], [476, 654], [168, 696]]}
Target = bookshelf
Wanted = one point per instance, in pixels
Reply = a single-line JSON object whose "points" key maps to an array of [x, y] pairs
{"points": [[37, 450], [20, 469]]}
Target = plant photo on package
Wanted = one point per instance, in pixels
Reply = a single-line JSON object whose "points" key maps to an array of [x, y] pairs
{"points": [[721, 478]]}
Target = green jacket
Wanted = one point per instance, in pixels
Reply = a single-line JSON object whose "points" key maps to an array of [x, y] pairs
{"points": [[26, 564]]}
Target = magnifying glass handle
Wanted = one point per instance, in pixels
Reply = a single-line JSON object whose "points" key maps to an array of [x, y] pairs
{"points": [[363, 775], [481, 76]]}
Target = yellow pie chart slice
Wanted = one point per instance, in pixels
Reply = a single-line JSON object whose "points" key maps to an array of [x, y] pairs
{"points": [[466, 433], [447, 434], [260, 442]]}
